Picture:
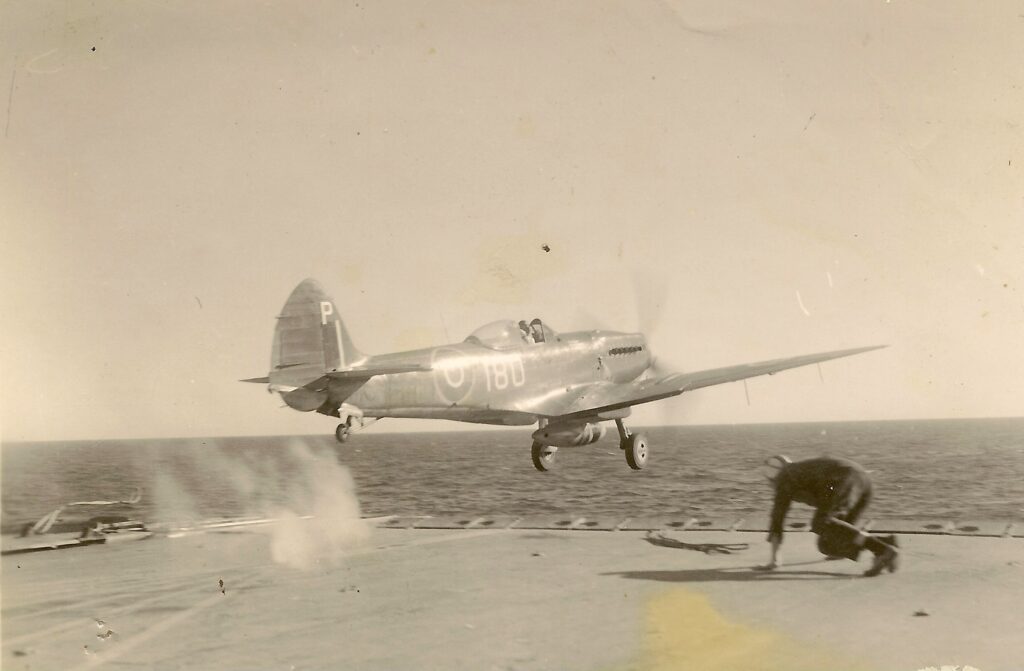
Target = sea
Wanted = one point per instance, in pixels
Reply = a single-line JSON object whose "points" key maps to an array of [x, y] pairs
{"points": [[957, 470]]}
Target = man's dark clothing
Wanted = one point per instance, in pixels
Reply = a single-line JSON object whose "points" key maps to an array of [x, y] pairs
{"points": [[839, 490]]}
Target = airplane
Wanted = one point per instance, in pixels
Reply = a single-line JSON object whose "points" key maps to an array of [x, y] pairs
{"points": [[504, 373]]}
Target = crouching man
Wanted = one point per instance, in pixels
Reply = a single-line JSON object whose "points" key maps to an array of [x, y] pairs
{"points": [[840, 491]]}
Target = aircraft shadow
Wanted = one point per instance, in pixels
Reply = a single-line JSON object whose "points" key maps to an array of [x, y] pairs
{"points": [[735, 574], [706, 548]]}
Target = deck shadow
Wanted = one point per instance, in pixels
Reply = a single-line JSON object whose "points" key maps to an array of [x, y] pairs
{"points": [[744, 574]]}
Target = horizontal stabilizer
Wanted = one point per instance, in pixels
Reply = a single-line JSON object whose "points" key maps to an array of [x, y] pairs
{"points": [[258, 380], [367, 373]]}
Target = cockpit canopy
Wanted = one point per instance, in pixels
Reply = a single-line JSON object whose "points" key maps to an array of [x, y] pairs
{"points": [[504, 334], [507, 334]]}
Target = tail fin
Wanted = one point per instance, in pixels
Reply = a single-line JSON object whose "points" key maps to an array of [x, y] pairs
{"points": [[310, 339]]}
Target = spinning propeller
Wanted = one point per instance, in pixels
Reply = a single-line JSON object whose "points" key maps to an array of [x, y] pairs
{"points": [[650, 295]]}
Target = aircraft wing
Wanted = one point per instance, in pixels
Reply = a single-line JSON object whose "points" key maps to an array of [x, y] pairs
{"points": [[606, 397]]}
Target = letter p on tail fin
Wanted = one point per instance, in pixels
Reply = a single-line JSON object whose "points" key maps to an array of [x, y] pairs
{"points": [[310, 338]]}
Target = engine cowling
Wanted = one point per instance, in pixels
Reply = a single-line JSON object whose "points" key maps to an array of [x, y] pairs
{"points": [[569, 435]]}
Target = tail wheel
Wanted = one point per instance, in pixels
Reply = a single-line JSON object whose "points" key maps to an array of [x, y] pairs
{"points": [[543, 456], [341, 433], [636, 451]]}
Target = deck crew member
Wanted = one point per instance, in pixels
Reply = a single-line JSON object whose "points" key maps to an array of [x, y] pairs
{"points": [[840, 491]]}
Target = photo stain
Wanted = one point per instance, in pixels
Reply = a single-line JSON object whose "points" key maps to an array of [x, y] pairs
{"points": [[684, 631]]}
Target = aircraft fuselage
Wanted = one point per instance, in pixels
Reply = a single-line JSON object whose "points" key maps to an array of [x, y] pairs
{"points": [[467, 380]]}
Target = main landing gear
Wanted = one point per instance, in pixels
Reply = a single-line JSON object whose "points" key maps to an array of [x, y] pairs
{"points": [[344, 429], [543, 456], [634, 445]]}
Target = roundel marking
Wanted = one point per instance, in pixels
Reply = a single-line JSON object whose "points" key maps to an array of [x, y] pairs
{"points": [[453, 382], [449, 376]]}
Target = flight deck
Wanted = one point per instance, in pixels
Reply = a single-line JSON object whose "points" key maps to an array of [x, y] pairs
{"points": [[494, 592]]}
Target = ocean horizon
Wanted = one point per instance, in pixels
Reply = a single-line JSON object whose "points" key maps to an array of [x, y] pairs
{"points": [[952, 469]]}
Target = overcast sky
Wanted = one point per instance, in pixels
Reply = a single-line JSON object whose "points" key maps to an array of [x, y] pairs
{"points": [[797, 177]]}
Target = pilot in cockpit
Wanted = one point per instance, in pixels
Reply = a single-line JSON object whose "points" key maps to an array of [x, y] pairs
{"points": [[524, 331], [537, 330]]}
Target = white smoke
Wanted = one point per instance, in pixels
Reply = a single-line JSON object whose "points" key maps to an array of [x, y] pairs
{"points": [[309, 496], [175, 505], [323, 488]]}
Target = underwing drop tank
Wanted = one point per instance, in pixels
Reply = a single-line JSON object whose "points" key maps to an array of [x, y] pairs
{"points": [[569, 435]]}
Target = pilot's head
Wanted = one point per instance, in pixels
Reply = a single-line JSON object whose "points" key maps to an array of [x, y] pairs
{"points": [[773, 467], [523, 325]]}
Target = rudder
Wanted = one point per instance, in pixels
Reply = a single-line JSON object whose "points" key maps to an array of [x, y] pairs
{"points": [[310, 338]]}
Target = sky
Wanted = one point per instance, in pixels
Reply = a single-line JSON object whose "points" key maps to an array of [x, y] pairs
{"points": [[779, 179]]}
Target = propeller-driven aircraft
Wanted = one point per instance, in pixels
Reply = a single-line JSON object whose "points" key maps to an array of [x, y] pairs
{"points": [[505, 373]]}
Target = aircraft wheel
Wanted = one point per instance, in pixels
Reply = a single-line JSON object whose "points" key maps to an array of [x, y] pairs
{"points": [[636, 451], [543, 456], [341, 433]]}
